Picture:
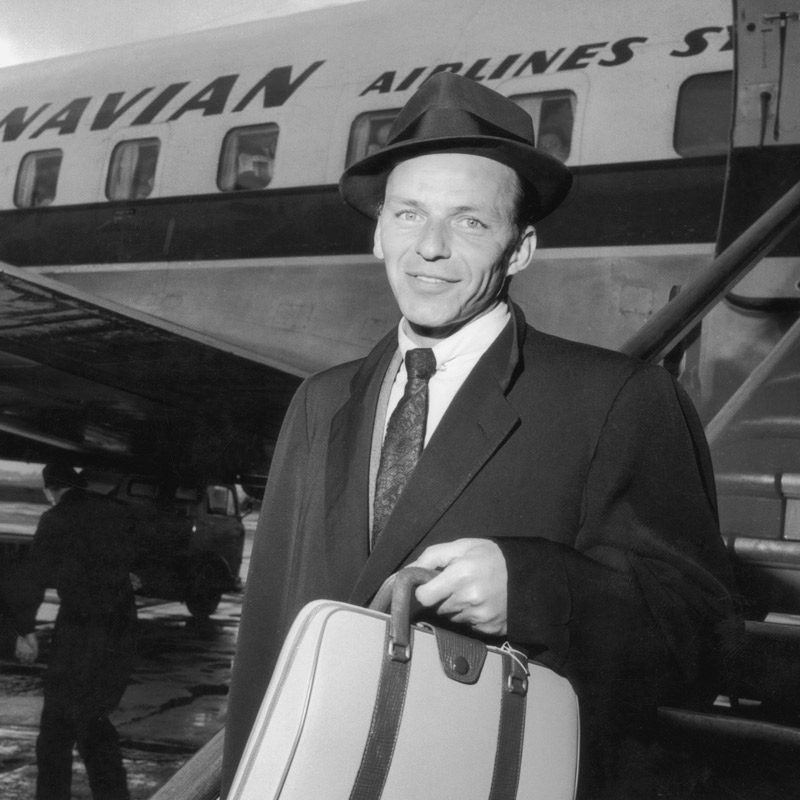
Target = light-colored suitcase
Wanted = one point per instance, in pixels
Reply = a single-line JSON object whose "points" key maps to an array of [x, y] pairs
{"points": [[362, 705]]}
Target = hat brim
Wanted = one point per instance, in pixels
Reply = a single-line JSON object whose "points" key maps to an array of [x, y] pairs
{"points": [[546, 181]]}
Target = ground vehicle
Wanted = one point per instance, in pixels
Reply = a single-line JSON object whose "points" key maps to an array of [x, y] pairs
{"points": [[189, 537]]}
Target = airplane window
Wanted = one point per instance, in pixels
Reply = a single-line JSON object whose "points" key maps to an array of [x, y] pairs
{"points": [[368, 133], [220, 501], [703, 119], [553, 116], [132, 171], [37, 179], [247, 160]]}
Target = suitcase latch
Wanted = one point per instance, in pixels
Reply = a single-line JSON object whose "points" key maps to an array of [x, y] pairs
{"points": [[462, 658]]}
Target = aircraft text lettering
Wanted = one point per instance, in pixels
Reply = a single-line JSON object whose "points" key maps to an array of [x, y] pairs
{"points": [[210, 100], [622, 50], [275, 88], [15, 122], [66, 120], [111, 110], [696, 42], [543, 61]]}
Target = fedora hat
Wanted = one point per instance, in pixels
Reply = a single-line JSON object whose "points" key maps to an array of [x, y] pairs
{"points": [[453, 114]]}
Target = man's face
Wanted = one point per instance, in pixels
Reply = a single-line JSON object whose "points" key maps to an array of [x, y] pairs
{"points": [[448, 236]]}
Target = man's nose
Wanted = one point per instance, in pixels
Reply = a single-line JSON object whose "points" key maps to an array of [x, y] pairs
{"points": [[434, 241]]}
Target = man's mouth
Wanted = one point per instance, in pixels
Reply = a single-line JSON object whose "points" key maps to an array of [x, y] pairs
{"points": [[432, 279]]}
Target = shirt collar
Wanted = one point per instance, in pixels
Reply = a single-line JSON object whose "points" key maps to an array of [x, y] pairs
{"points": [[468, 343]]}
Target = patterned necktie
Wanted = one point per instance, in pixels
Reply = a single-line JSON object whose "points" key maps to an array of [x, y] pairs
{"points": [[405, 435]]}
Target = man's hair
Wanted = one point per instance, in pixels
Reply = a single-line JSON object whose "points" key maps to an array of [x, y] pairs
{"points": [[526, 204]]}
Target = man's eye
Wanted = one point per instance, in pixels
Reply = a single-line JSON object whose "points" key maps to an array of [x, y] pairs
{"points": [[472, 223], [407, 215]]}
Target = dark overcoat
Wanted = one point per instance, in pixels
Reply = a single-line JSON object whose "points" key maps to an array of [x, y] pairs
{"points": [[83, 548], [590, 471]]}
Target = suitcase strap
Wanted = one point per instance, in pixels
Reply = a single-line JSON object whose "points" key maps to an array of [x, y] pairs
{"points": [[387, 715], [511, 731]]}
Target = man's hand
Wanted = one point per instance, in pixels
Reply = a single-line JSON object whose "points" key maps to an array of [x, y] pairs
{"points": [[27, 649], [472, 587]]}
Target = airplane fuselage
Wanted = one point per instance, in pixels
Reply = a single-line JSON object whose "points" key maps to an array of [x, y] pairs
{"points": [[284, 269]]}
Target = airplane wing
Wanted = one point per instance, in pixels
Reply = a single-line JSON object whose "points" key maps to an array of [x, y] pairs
{"points": [[84, 378]]}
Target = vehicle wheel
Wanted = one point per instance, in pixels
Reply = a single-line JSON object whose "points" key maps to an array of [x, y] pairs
{"points": [[203, 604], [205, 592]]}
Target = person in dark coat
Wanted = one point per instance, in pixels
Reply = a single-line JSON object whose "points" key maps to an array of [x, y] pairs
{"points": [[83, 547], [564, 492]]}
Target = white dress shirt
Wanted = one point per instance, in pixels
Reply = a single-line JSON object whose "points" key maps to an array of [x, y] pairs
{"points": [[455, 357]]}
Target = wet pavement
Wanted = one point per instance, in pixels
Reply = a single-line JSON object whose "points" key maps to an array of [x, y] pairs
{"points": [[175, 702]]}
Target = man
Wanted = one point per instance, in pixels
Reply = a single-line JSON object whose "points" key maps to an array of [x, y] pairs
{"points": [[564, 491], [84, 549]]}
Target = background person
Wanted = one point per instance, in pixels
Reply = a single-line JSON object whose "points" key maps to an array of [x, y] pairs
{"points": [[254, 170], [83, 548]]}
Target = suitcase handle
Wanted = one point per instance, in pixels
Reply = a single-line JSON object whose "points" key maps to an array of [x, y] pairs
{"points": [[394, 597]]}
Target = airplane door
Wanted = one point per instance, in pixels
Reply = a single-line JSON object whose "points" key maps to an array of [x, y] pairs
{"points": [[764, 160], [763, 164], [750, 356]]}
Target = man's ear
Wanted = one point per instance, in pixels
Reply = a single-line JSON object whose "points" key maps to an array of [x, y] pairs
{"points": [[377, 248], [523, 252]]}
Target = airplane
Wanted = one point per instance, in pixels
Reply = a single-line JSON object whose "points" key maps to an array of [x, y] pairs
{"points": [[193, 180], [177, 258]]}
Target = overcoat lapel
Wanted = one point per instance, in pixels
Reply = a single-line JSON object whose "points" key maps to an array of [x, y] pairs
{"points": [[477, 422], [347, 471]]}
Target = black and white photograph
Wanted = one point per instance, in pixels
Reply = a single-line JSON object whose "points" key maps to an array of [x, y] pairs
{"points": [[399, 400]]}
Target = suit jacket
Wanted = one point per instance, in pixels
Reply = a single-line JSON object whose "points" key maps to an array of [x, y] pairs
{"points": [[590, 471], [84, 548]]}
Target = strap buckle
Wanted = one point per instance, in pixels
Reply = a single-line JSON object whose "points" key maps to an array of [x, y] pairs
{"points": [[397, 651]]}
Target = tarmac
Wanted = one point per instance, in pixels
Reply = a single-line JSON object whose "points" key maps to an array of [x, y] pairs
{"points": [[175, 702]]}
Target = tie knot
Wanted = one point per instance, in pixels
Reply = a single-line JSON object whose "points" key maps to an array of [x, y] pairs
{"points": [[420, 363]]}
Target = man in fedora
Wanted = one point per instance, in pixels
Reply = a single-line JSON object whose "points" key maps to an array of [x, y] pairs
{"points": [[563, 491]]}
